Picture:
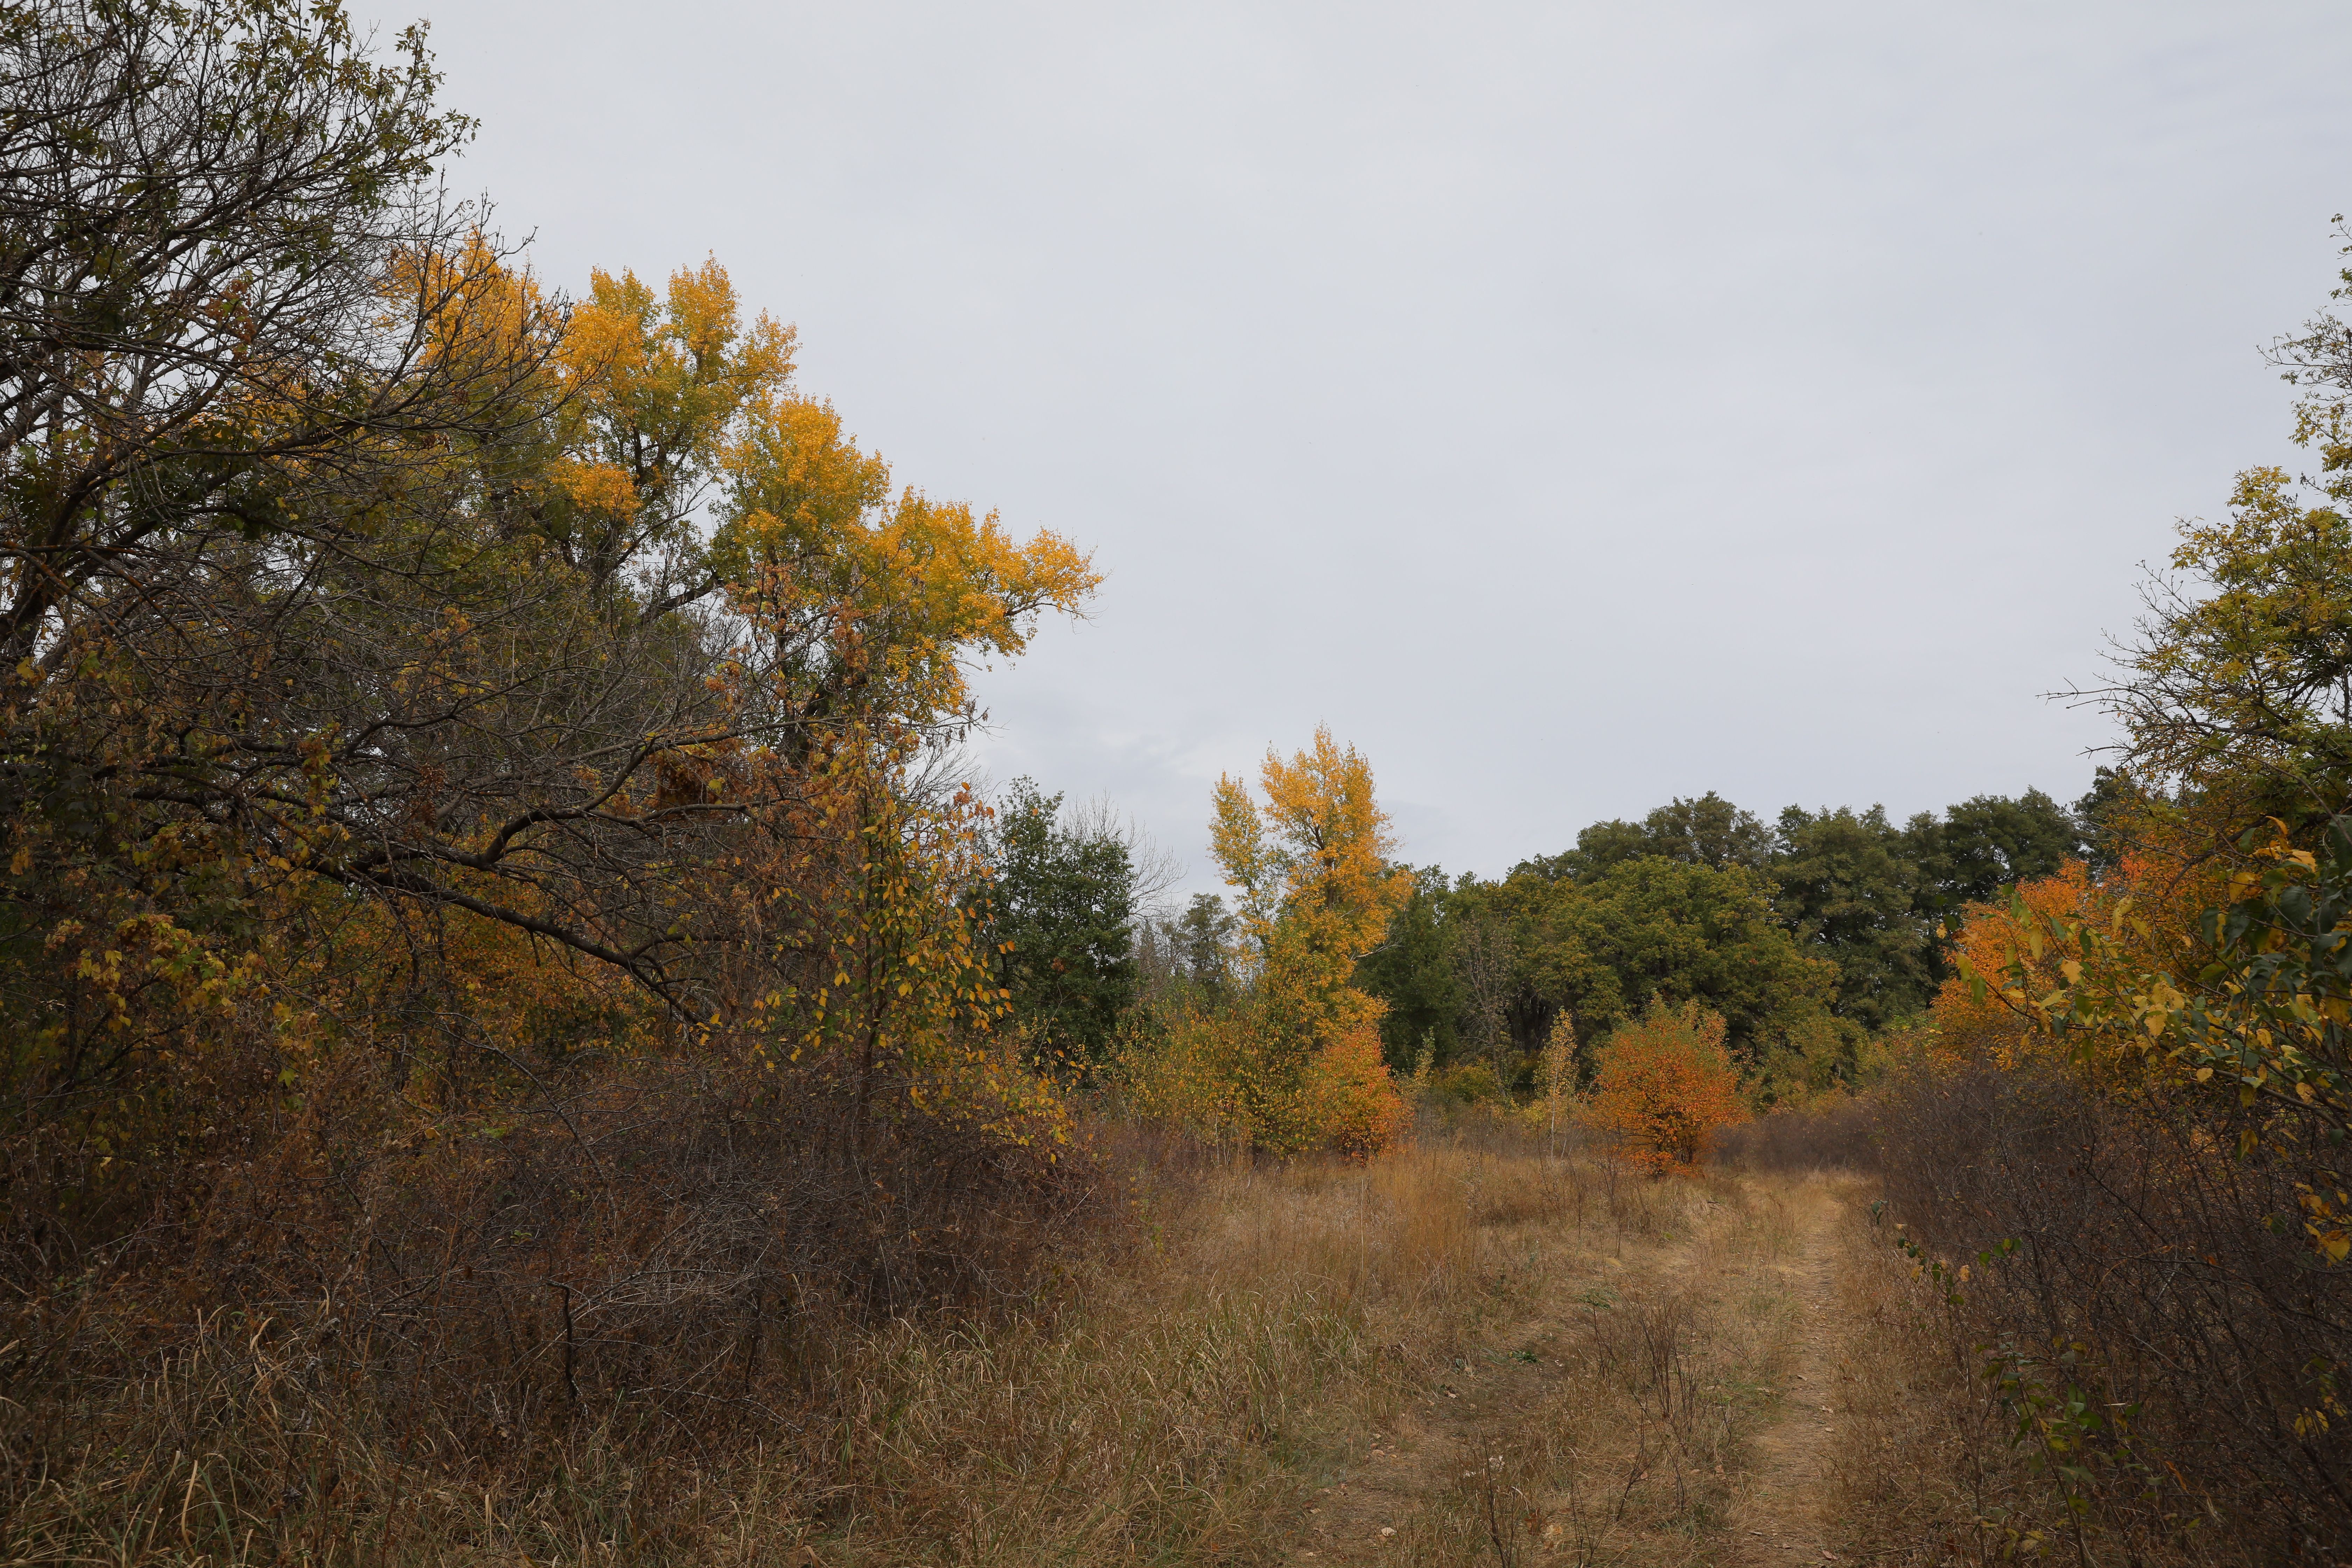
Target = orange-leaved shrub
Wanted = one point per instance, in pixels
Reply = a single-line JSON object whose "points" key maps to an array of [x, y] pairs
{"points": [[1664, 1085], [2149, 903], [2123, 1128]]}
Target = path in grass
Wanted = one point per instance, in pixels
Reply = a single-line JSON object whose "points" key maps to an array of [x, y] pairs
{"points": [[1663, 1394], [1783, 1514]]}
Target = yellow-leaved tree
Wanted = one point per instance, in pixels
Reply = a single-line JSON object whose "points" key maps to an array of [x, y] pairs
{"points": [[564, 820], [1294, 1064]]}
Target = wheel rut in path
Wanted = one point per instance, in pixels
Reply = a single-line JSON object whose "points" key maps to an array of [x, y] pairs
{"points": [[1784, 1512]]}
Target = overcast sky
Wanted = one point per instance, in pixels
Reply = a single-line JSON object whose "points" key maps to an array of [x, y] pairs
{"points": [[1572, 405]]}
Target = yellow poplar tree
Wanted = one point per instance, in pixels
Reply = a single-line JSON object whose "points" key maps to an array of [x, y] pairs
{"points": [[1311, 867]]}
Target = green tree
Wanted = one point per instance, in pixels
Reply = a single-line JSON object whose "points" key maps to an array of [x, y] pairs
{"points": [[1684, 932], [1412, 971], [1060, 924], [1598, 847], [1981, 845], [2243, 686], [1203, 938], [1598, 950], [1848, 888], [2105, 814], [1708, 831], [2238, 691], [1987, 842]]}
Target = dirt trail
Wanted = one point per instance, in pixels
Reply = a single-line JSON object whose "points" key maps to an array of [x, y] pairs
{"points": [[1783, 1514], [1594, 1465]]}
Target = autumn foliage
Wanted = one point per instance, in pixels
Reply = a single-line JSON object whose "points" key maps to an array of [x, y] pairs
{"points": [[472, 871], [1663, 1086], [1294, 1062]]}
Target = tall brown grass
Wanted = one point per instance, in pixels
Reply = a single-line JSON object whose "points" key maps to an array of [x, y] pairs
{"points": [[1158, 1400], [1833, 1133]]}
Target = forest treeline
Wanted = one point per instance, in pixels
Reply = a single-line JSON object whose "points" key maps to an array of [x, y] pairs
{"points": [[1807, 935], [1813, 936]]}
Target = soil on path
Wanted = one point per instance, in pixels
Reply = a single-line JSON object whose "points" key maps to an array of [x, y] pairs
{"points": [[1437, 1448], [1784, 1512]]}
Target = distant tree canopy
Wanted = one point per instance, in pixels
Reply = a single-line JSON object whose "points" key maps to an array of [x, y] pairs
{"points": [[1989, 842], [1849, 887], [1805, 934], [1414, 969], [1708, 831], [1193, 952], [1531, 948]]}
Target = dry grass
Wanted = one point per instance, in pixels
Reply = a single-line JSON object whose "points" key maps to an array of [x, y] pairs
{"points": [[1493, 1355], [1614, 1415], [1927, 1471], [1168, 1404]]}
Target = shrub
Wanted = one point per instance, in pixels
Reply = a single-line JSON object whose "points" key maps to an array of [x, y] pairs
{"points": [[2118, 1251], [1355, 1106], [2132, 1136], [1664, 1085], [1832, 1133], [1468, 1083]]}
